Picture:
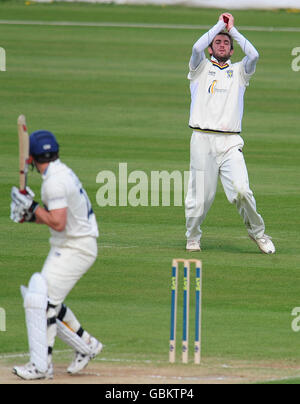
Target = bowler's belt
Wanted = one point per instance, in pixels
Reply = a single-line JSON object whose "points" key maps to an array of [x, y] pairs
{"points": [[215, 131]]}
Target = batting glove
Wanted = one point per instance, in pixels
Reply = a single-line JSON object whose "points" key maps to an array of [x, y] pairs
{"points": [[23, 206], [16, 213]]}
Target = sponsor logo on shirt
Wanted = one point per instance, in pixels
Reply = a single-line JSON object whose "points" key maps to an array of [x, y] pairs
{"points": [[213, 88]]}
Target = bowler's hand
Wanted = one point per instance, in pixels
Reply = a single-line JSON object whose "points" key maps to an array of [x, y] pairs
{"points": [[221, 18], [229, 20]]}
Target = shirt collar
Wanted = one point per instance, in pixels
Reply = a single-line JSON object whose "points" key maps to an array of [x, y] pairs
{"points": [[48, 169], [213, 59]]}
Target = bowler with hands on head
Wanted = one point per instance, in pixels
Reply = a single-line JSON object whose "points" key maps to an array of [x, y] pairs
{"points": [[217, 106]]}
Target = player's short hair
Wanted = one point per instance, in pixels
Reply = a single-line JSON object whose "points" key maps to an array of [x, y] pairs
{"points": [[226, 34], [46, 158]]}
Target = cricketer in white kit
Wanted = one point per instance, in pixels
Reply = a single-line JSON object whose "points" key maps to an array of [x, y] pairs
{"points": [[217, 105], [69, 215]]}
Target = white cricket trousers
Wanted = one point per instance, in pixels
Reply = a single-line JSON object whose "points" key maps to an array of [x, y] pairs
{"points": [[65, 266], [214, 155]]}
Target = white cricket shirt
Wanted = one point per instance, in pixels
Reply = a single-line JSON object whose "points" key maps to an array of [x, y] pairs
{"points": [[62, 189], [217, 94]]}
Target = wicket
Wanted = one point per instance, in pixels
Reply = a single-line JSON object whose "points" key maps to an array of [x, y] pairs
{"points": [[186, 310]]}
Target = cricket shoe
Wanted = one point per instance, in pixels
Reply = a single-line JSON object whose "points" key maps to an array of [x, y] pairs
{"points": [[265, 244], [81, 361], [193, 246], [30, 372]]}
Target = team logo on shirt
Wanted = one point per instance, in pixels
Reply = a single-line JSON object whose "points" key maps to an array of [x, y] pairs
{"points": [[230, 74]]}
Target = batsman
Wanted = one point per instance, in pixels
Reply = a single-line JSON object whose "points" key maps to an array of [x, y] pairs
{"points": [[69, 215]]}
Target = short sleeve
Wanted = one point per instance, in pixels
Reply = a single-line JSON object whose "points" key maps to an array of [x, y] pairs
{"points": [[55, 195]]}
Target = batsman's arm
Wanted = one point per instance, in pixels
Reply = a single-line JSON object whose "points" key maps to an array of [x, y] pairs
{"points": [[198, 53], [55, 219]]}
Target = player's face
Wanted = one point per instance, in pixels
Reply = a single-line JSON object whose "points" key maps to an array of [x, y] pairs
{"points": [[221, 48]]}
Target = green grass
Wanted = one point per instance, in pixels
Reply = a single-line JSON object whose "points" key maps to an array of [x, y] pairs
{"points": [[120, 95], [287, 381]]}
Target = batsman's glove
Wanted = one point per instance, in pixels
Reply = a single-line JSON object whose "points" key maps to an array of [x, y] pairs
{"points": [[16, 213], [23, 206]]}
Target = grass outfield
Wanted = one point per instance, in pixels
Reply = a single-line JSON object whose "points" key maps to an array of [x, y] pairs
{"points": [[117, 94]]}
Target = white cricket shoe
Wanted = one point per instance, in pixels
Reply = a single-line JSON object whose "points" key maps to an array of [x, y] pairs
{"points": [[30, 372], [193, 246], [265, 244], [81, 361]]}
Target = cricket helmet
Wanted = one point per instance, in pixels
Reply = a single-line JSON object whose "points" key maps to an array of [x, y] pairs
{"points": [[43, 146]]}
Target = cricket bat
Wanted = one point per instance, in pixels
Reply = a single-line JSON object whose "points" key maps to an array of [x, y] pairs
{"points": [[23, 152]]}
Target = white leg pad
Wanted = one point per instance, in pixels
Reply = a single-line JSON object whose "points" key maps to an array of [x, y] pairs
{"points": [[72, 339], [35, 304]]}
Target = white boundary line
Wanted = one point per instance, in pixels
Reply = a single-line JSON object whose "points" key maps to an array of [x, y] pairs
{"points": [[138, 25], [58, 352], [25, 355]]}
